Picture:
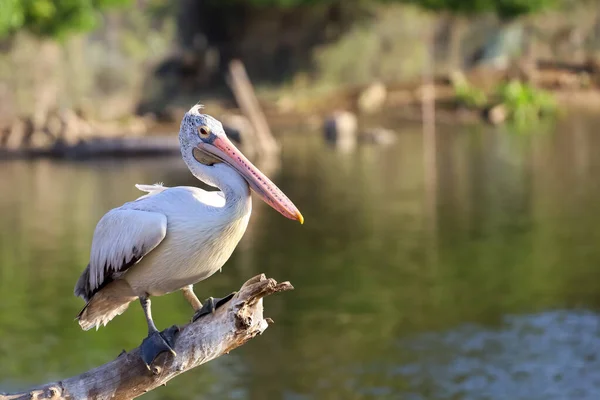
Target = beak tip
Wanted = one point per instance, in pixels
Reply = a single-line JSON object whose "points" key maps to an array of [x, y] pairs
{"points": [[300, 218]]}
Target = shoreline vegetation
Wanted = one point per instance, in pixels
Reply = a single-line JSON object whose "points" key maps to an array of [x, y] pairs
{"points": [[521, 94], [115, 77]]}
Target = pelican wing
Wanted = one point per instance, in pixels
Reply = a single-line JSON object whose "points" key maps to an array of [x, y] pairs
{"points": [[122, 237]]}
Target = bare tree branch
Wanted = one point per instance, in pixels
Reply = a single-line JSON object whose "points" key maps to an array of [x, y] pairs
{"points": [[211, 336]]}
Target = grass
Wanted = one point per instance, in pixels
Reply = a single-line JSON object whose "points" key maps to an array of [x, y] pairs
{"points": [[525, 103]]}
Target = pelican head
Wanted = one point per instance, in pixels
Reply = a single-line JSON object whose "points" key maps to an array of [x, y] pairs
{"points": [[203, 141]]}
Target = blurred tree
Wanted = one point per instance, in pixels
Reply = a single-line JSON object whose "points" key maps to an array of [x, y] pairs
{"points": [[506, 10], [51, 17], [457, 10]]}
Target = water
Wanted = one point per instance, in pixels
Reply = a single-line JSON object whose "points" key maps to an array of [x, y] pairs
{"points": [[485, 285]]}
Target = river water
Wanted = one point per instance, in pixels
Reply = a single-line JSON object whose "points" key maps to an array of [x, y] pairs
{"points": [[482, 284]]}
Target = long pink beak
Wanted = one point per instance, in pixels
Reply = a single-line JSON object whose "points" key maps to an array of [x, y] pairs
{"points": [[223, 149]]}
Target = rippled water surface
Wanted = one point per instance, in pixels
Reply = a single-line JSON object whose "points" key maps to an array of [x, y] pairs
{"points": [[483, 285]]}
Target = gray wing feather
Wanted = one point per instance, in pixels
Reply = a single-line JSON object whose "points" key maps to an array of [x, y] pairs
{"points": [[122, 237]]}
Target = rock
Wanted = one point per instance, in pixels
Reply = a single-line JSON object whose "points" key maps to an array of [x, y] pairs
{"points": [[20, 130], [54, 125], [372, 98], [497, 114], [135, 127], [72, 129], [68, 127], [40, 140], [379, 136], [86, 130], [4, 132], [340, 130]]}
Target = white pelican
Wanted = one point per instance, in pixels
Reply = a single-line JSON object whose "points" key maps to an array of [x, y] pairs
{"points": [[171, 238]]}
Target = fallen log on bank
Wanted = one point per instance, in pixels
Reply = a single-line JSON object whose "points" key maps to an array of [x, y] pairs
{"points": [[126, 146], [108, 147], [101, 147], [126, 377]]}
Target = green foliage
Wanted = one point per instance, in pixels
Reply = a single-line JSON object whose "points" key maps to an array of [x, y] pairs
{"points": [[359, 57], [467, 94], [59, 17], [526, 103], [11, 16], [52, 17], [503, 8]]}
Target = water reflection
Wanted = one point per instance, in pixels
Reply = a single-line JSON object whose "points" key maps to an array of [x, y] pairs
{"points": [[514, 233]]}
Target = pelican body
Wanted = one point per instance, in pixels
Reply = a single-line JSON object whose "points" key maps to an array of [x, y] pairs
{"points": [[171, 238]]}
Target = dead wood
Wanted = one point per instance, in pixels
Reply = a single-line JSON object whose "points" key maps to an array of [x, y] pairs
{"points": [[246, 98], [210, 337]]}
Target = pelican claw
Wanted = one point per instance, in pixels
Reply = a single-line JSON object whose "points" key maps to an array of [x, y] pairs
{"points": [[156, 343], [211, 305]]}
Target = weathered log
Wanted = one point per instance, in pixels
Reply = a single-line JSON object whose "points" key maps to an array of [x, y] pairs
{"points": [[126, 377], [129, 146], [101, 147], [246, 98]]}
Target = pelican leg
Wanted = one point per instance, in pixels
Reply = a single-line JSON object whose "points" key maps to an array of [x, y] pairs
{"points": [[190, 296], [211, 304], [156, 342]]}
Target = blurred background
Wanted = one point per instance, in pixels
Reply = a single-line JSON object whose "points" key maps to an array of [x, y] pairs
{"points": [[441, 151]]}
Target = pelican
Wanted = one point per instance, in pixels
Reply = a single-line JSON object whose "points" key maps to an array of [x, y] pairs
{"points": [[171, 238]]}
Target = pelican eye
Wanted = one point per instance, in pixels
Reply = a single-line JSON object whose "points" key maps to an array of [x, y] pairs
{"points": [[204, 131]]}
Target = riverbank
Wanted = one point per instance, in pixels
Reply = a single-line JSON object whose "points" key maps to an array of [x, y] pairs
{"points": [[471, 98]]}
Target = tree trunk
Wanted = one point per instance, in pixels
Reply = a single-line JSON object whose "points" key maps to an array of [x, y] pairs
{"points": [[457, 29]]}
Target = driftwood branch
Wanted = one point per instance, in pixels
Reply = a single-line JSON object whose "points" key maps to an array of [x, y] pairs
{"points": [[126, 377], [245, 96]]}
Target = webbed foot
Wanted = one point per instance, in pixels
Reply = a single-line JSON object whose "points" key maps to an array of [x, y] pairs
{"points": [[156, 343], [210, 306]]}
